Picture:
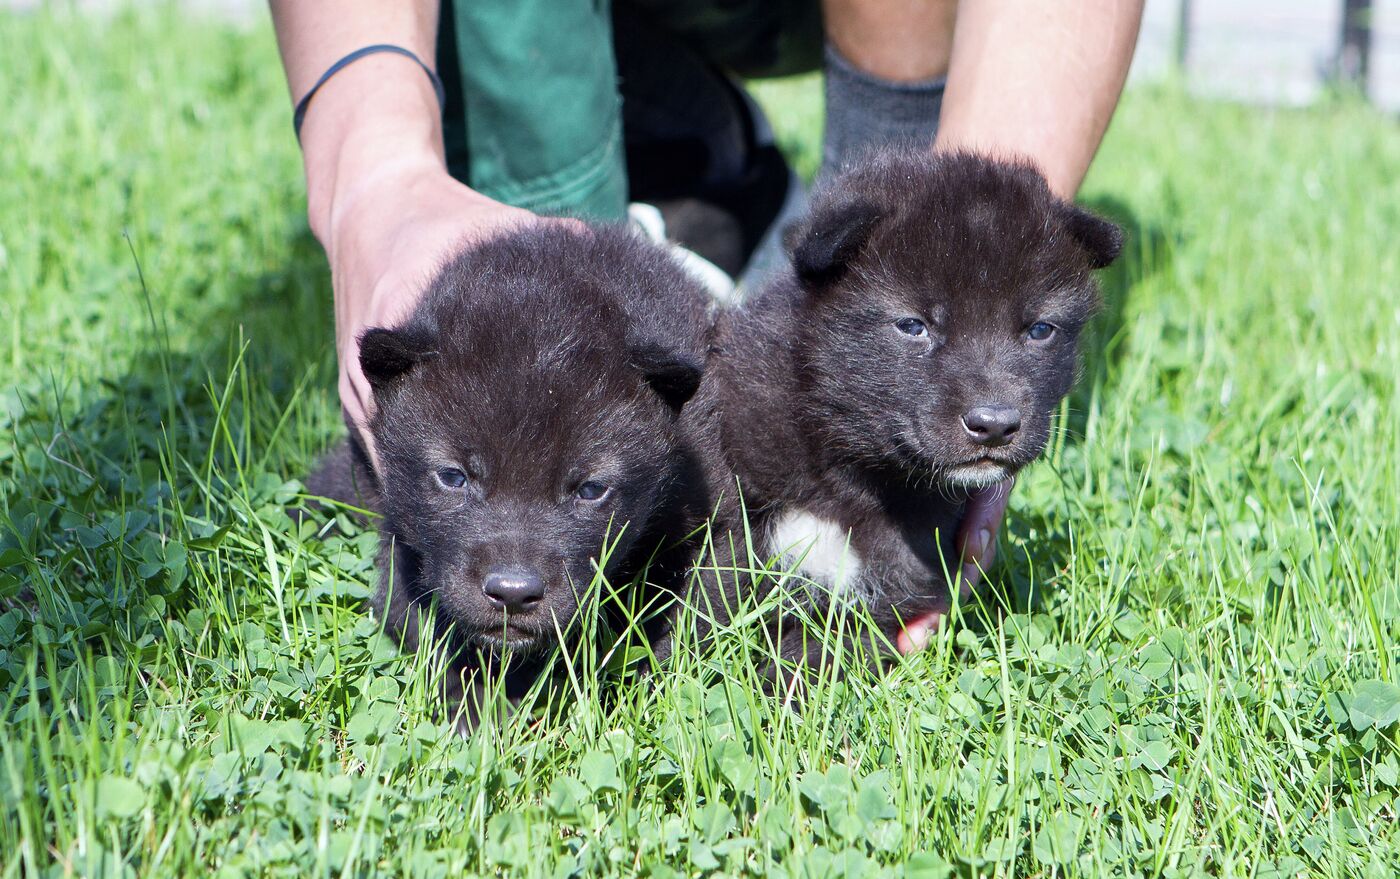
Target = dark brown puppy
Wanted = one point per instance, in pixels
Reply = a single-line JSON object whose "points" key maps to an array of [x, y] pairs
{"points": [[918, 349], [528, 419]]}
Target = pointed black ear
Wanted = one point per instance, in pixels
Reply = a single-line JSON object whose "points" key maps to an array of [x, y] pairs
{"points": [[1100, 239], [674, 376], [387, 354], [823, 245]]}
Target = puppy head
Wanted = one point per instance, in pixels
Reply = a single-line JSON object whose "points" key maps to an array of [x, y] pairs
{"points": [[527, 433], [943, 298]]}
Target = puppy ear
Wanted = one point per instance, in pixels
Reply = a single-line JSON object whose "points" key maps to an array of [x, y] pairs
{"points": [[822, 246], [674, 376], [387, 354], [1099, 239]]}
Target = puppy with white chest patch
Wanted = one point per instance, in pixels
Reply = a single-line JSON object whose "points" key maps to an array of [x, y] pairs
{"points": [[917, 350]]}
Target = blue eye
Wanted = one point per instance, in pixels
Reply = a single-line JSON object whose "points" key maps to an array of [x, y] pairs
{"points": [[592, 491], [451, 477], [1040, 331], [912, 326]]}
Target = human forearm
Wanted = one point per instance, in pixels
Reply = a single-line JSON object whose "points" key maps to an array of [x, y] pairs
{"points": [[375, 117], [379, 197], [1038, 79]]}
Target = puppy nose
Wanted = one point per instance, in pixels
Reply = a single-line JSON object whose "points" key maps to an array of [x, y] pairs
{"points": [[992, 425], [513, 590]]}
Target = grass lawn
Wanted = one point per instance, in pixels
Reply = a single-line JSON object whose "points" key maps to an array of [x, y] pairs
{"points": [[1186, 663]]}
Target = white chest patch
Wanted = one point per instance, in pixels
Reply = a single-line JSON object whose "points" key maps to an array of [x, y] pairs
{"points": [[818, 549]]}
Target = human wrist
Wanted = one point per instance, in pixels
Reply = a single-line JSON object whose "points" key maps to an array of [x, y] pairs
{"points": [[372, 208], [377, 117], [395, 203]]}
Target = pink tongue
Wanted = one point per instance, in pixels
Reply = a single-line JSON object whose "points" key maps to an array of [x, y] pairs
{"points": [[919, 631]]}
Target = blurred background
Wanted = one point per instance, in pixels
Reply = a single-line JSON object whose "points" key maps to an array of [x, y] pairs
{"points": [[1263, 51], [1274, 51]]}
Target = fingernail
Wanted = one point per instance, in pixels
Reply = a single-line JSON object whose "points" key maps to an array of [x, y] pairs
{"points": [[918, 636]]}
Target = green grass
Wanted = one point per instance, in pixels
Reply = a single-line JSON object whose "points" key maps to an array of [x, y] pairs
{"points": [[1186, 663]]}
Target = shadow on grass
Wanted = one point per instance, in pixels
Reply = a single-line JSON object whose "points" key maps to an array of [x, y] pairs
{"points": [[117, 482], [1147, 249], [1018, 581]]}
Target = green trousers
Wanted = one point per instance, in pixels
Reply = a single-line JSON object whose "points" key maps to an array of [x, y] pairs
{"points": [[533, 105]]}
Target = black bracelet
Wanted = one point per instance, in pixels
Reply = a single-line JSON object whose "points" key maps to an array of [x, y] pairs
{"points": [[300, 113]]}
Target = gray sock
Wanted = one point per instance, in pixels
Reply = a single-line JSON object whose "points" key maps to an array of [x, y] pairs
{"points": [[863, 111]]}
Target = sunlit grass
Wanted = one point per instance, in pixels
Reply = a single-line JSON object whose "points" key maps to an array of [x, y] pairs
{"points": [[1185, 664]]}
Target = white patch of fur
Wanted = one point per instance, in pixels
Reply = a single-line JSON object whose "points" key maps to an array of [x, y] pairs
{"points": [[818, 549], [982, 475], [647, 220]]}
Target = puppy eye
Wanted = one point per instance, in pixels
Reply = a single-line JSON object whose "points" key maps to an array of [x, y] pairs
{"points": [[451, 477], [1040, 331], [592, 491], [912, 326]]}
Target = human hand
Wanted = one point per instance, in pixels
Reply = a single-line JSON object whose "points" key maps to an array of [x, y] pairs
{"points": [[378, 194], [386, 238], [977, 544]]}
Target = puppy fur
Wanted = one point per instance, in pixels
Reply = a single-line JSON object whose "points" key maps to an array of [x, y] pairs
{"points": [[527, 414], [926, 292]]}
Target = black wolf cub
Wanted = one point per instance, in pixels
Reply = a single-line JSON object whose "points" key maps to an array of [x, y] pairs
{"points": [[529, 413], [917, 350]]}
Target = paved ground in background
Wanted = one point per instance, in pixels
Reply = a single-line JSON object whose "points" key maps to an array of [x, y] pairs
{"points": [[1270, 51]]}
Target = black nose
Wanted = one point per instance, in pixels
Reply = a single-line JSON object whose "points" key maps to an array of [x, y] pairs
{"points": [[992, 425], [515, 590]]}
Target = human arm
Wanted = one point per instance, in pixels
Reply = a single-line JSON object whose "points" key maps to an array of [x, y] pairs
{"points": [[379, 198], [1038, 79]]}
